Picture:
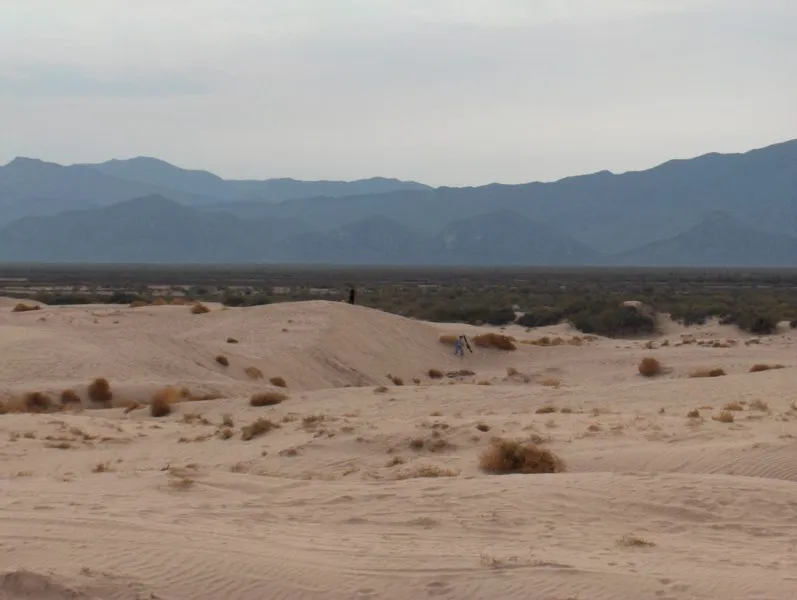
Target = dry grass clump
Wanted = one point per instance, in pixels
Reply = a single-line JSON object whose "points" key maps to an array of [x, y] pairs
{"points": [[267, 399], [100, 392], [734, 406], [544, 410], [22, 307], [650, 367], [232, 340], [223, 360], [511, 456], [448, 340], [633, 541], [69, 397], [199, 309], [396, 380], [708, 373], [693, 414], [161, 403], [435, 374], [483, 427], [428, 471], [759, 405], [759, 368], [725, 416], [551, 382], [253, 373], [37, 402], [380, 390], [278, 382], [498, 341], [258, 428], [226, 421]]}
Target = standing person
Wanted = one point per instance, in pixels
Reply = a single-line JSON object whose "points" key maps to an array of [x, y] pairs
{"points": [[352, 294], [460, 345]]}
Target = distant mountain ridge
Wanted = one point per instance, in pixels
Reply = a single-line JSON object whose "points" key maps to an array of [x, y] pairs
{"points": [[713, 210]]}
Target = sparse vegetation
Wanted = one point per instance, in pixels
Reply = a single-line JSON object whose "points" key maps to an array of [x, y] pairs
{"points": [[511, 456], [693, 414], [759, 405], [760, 368], [396, 380], [435, 374], [270, 398], [498, 341], [544, 410], [699, 373], [278, 382], [726, 416], [199, 309], [231, 340], [69, 397], [160, 404], [99, 392], [38, 402], [223, 360], [650, 367], [253, 373], [258, 428], [22, 307]]}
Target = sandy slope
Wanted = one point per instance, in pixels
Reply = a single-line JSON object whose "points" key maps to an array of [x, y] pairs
{"points": [[331, 504]]}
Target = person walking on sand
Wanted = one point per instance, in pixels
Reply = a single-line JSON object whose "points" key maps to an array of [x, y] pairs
{"points": [[460, 345]]}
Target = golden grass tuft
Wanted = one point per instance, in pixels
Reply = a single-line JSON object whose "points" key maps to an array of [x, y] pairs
{"points": [[699, 373], [223, 360], [37, 402], [199, 309], [161, 402], [448, 340], [258, 428], [760, 368], [759, 405], [551, 382], [734, 406], [725, 416], [693, 414], [633, 541], [650, 367], [380, 390], [499, 341], [267, 399], [435, 374], [22, 307], [278, 382], [511, 456], [253, 373], [69, 397], [396, 380], [100, 392], [544, 410]]}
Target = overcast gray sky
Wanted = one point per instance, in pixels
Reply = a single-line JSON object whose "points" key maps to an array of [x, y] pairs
{"points": [[449, 92]]}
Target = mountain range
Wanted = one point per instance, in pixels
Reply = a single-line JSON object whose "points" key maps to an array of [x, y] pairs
{"points": [[715, 210]]}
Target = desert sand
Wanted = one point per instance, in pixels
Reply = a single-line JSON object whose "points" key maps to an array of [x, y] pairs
{"points": [[369, 489]]}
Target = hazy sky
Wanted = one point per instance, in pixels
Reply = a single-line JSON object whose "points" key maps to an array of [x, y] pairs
{"points": [[449, 92]]}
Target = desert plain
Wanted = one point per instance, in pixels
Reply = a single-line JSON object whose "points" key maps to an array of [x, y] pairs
{"points": [[363, 476]]}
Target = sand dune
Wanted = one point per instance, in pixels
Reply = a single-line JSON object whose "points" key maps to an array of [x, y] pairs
{"points": [[363, 492]]}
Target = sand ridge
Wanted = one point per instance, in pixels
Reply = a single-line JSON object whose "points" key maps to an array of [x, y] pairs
{"points": [[364, 491]]}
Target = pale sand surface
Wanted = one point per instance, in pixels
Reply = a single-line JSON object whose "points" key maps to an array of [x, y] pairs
{"points": [[654, 505]]}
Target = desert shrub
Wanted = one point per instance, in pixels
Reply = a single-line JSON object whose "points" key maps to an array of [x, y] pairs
{"points": [[258, 428], [734, 406], [69, 397], [278, 382], [435, 374], [231, 340], [708, 373], [495, 340], [124, 298], [753, 322], [99, 392], [448, 340], [223, 360], [199, 309], [612, 321], [725, 416], [510, 456], [38, 402], [253, 373], [396, 380], [161, 402], [22, 307], [544, 317], [544, 410], [649, 367], [474, 315], [267, 399], [760, 368], [693, 414]]}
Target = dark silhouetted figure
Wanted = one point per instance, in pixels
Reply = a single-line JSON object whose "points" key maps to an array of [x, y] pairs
{"points": [[352, 295]]}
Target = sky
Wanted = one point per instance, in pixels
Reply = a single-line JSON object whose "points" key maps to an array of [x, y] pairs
{"points": [[447, 92]]}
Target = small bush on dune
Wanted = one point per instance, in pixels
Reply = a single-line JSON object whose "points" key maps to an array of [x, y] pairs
{"points": [[223, 360], [70, 397], [258, 428], [278, 382], [396, 380], [708, 373], [495, 340], [650, 367], [37, 402], [267, 399], [232, 340], [725, 416], [22, 307], [435, 374], [100, 392], [161, 403], [510, 456], [760, 368], [253, 373], [199, 309]]}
